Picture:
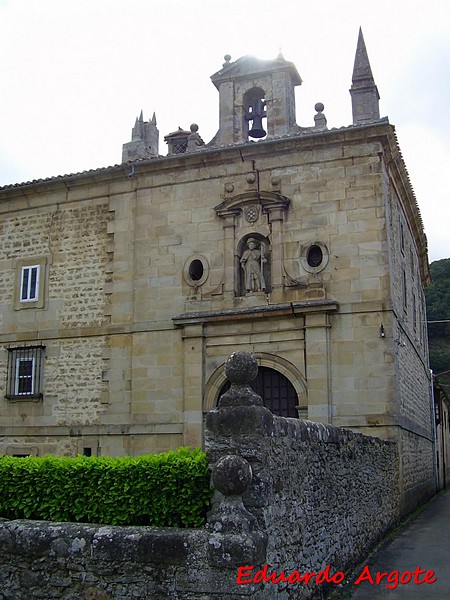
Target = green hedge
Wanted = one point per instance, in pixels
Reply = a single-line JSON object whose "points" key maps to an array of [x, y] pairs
{"points": [[170, 489]]}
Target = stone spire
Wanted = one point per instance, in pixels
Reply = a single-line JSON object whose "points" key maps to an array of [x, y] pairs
{"points": [[364, 92], [144, 140]]}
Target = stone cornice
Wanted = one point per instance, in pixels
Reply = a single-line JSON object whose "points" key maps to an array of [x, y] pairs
{"points": [[210, 155], [287, 309], [400, 175], [86, 429]]}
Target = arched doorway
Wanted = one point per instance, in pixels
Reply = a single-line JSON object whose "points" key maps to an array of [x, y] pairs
{"points": [[277, 392]]}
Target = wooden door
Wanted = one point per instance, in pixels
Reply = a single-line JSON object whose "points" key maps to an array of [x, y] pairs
{"points": [[277, 392]]}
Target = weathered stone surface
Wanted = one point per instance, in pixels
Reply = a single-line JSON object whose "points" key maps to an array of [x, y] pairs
{"points": [[242, 394], [240, 421], [321, 488], [229, 516], [241, 368], [232, 475], [236, 550], [292, 495]]}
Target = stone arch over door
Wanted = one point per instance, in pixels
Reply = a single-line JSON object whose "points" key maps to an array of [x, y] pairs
{"points": [[278, 364]]}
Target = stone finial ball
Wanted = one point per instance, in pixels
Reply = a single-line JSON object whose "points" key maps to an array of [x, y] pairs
{"points": [[241, 368], [194, 127], [231, 475], [319, 107]]}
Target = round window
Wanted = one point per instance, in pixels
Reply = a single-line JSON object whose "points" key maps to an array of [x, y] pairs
{"points": [[196, 270], [314, 257]]}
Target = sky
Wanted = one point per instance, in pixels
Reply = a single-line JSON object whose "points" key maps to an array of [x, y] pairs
{"points": [[75, 74]]}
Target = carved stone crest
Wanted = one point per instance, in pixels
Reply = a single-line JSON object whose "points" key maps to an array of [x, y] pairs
{"points": [[251, 213]]}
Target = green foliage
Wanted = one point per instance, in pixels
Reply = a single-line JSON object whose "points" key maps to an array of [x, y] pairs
{"points": [[170, 489], [438, 299], [440, 358], [438, 309]]}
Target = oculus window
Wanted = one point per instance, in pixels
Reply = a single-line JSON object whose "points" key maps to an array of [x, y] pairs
{"points": [[314, 257], [196, 270]]}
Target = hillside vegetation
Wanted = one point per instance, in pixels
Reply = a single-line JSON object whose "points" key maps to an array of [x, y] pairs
{"points": [[438, 309]]}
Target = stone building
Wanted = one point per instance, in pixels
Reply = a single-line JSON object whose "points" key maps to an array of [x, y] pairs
{"points": [[124, 289], [441, 406]]}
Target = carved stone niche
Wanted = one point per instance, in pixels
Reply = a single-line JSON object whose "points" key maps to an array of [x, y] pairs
{"points": [[258, 215]]}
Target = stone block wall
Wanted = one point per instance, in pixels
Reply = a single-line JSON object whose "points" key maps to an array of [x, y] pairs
{"points": [[408, 330], [291, 496], [320, 495], [68, 561], [68, 239], [71, 238]]}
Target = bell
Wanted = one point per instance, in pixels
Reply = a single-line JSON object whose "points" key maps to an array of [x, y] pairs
{"points": [[256, 116], [257, 130]]}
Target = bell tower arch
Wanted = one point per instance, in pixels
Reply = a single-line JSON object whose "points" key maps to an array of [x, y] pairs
{"points": [[256, 97], [254, 113]]}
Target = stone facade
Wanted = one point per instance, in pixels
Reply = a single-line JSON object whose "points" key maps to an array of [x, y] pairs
{"points": [[143, 288], [442, 403]]}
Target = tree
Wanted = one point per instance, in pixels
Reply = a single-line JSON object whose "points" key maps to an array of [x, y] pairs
{"points": [[437, 297]]}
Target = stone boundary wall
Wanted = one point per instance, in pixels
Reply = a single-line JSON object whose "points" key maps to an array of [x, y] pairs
{"points": [[293, 495], [334, 493]]}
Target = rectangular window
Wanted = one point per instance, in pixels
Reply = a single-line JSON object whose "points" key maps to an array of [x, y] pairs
{"points": [[412, 264], [25, 373], [24, 380], [29, 284], [404, 292]]}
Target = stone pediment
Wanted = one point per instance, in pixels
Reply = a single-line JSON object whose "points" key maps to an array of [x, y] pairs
{"points": [[268, 200], [248, 65]]}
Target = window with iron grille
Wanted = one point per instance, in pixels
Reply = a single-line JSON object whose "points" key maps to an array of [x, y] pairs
{"points": [[25, 373]]}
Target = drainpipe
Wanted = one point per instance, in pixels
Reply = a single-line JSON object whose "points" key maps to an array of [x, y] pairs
{"points": [[433, 419]]}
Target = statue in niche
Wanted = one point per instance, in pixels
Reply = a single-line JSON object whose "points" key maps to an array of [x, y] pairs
{"points": [[252, 262]]}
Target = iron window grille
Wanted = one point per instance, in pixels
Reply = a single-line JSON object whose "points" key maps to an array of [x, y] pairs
{"points": [[24, 379]]}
